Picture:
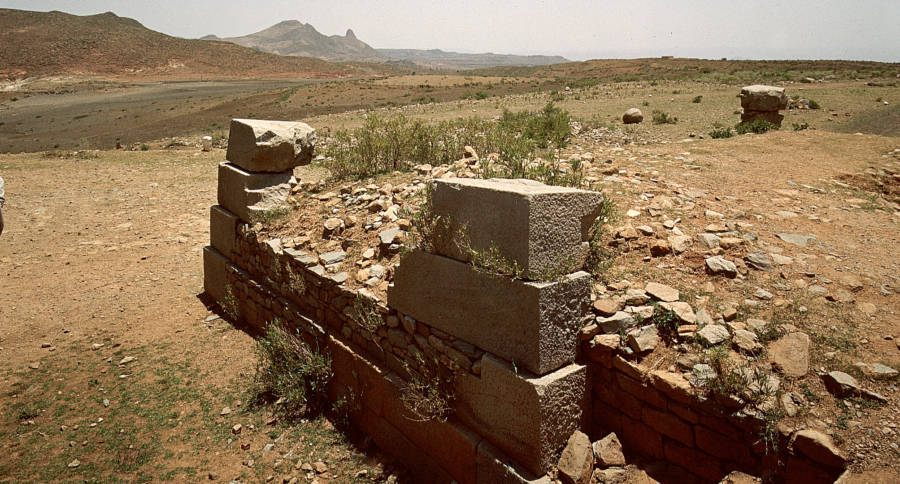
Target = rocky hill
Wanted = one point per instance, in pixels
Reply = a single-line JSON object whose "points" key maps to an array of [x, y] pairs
{"points": [[296, 38], [55, 43]]}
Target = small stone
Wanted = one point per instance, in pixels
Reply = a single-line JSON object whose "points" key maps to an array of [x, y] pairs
{"points": [[577, 460], [643, 340], [632, 213], [662, 292], [333, 257], [389, 236], [818, 447], [636, 297], [758, 261], [710, 241], [34, 365], [746, 342], [683, 310], [702, 374], [645, 229], [126, 360], [368, 254], [320, 467], [790, 354], [680, 243], [659, 248], [617, 322], [225, 411], [75, 463], [607, 307], [796, 239], [883, 372], [718, 265], [713, 334], [789, 404], [237, 429], [333, 225], [763, 294], [633, 116], [840, 384], [608, 451]]}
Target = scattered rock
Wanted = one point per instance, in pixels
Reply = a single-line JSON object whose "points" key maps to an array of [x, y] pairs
{"points": [[75, 463], [746, 342], [643, 340], [577, 460], [659, 248], [790, 354], [841, 384], [818, 447], [618, 321], [607, 307], [710, 241], [332, 257], [680, 243], [320, 467], [763, 294], [713, 334], [636, 297], [662, 292], [719, 265], [237, 429], [883, 372], [796, 239], [633, 116], [758, 261], [701, 374], [608, 451], [738, 477], [225, 411], [683, 310]]}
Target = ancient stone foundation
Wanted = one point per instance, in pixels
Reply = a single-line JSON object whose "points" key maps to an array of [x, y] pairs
{"points": [[524, 377], [763, 103]]}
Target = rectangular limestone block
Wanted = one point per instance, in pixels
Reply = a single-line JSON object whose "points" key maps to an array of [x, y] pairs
{"points": [[389, 439], [529, 418], [533, 324], [258, 145], [215, 274], [541, 228], [246, 194], [223, 230]]}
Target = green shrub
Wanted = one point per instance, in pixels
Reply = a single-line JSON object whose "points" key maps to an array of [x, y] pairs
{"points": [[550, 125], [697, 100], [292, 372], [661, 117], [814, 105], [145, 147], [800, 126], [721, 132], [758, 127]]}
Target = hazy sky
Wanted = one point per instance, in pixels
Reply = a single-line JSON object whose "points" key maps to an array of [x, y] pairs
{"points": [[747, 29]]}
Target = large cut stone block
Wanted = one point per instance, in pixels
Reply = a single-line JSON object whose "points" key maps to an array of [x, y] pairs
{"points": [[270, 146], [763, 98], [223, 230], [542, 228], [215, 274], [246, 194], [494, 467], [771, 116], [534, 324], [529, 418]]}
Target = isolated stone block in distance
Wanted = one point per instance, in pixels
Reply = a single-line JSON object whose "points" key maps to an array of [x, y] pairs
{"points": [[534, 324], [763, 98], [247, 194], [544, 229], [270, 146]]}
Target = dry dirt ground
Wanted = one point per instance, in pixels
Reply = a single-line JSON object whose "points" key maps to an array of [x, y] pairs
{"points": [[112, 368]]}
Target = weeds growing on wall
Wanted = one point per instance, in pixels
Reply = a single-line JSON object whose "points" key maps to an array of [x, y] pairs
{"points": [[365, 314], [291, 372], [427, 395], [271, 216]]}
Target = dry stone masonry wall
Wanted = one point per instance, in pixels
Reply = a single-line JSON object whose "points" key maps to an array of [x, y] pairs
{"points": [[531, 373]]}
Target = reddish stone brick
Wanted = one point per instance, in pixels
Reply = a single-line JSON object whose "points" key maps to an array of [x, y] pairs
{"points": [[642, 392], [641, 438], [735, 450], [704, 465], [669, 425], [684, 412]]}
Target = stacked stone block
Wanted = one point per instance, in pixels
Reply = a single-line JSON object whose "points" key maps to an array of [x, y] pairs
{"points": [[763, 103], [530, 395]]}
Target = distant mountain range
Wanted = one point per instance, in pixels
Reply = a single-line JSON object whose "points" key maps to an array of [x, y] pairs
{"points": [[38, 44], [294, 38]]}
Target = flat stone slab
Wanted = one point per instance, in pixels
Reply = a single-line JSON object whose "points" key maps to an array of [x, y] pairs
{"points": [[541, 228], [215, 274], [534, 324], [796, 239], [248, 194], [258, 145], [790, 354], [529, 418]]}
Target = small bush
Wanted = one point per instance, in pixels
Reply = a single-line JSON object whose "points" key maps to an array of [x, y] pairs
{"points": [[661, 117], [697, 100], [814, 105], [757, 127], [290, 371], [271, 216], [722, 132], [800, 126], [145, 147]]}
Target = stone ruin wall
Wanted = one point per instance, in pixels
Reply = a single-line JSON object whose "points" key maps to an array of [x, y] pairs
{"points": [[512, 414]]}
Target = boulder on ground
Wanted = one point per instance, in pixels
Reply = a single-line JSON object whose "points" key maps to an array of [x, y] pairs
{"points": [[576, 464], [633, 116], [763, 98], [608, 451]]}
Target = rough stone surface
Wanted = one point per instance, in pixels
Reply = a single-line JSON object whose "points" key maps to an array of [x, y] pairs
{"points": [[529, 418], [542, 228], [662, 292], [619, 321], [633, 116], [270, 146], [539, 331], [818, 447], [713, 334], [246, 194], [763, 98], [759, 261], [719, 265], [608, 451], [607, 306], [493, 466], [746, 341], [222, 230], [738, 477], [215, 275], [883, 372], [796, 239], [643, 340], [577, 459], [841, 384], [790, 354]]}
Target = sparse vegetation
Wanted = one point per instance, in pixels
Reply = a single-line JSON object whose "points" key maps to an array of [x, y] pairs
{"points": [[800, 126], [290, 371], [662, 117], [721, 132], [756, 127], [271, 216], [697, 100]]}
